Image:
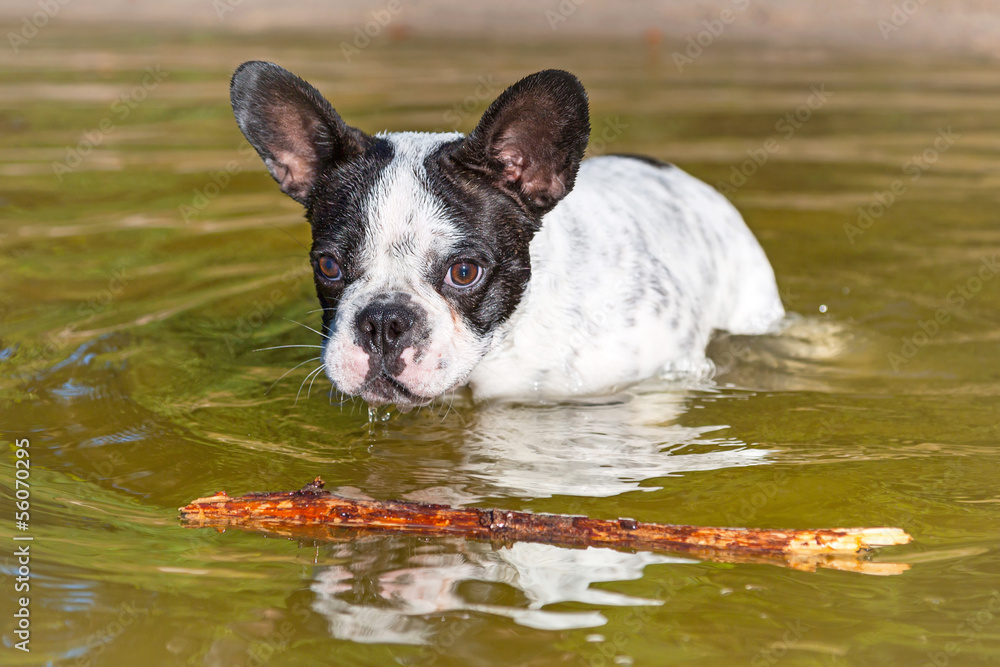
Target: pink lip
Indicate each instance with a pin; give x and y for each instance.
(385, 389)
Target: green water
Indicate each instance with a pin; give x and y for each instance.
(136, 283)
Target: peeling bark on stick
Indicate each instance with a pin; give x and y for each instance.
(313, 513)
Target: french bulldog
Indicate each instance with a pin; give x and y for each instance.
(503, 261)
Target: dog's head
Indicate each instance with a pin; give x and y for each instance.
(420, 241)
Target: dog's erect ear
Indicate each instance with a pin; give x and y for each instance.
(532, 138)
(294, 129)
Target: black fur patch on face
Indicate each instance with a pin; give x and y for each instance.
(495, 231)
(338, 217)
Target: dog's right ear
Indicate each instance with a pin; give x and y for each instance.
(294, 129)
(531, 139)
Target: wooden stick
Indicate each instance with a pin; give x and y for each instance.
(312, 512)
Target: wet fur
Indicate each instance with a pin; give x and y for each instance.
(597, 275)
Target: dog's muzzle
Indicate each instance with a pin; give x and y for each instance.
(384, 330)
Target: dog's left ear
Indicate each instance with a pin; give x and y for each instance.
(531, 139)
(294, 129)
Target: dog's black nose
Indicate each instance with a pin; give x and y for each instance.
(384, 329)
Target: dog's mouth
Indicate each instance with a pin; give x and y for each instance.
(383, 389)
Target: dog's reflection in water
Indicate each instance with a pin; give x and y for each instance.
(395, 590)
(594, 449)
(405, 590)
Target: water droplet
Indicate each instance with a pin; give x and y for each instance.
(822, 309)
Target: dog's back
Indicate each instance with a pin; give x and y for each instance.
(631, 273)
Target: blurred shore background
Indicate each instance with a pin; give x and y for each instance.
(956, 26)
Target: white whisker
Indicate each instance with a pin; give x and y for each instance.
(306, 379)
(309, 392)
(287, 372)
(305, 326)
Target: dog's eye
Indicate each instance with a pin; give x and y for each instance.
(464, 275)
(330, 268)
